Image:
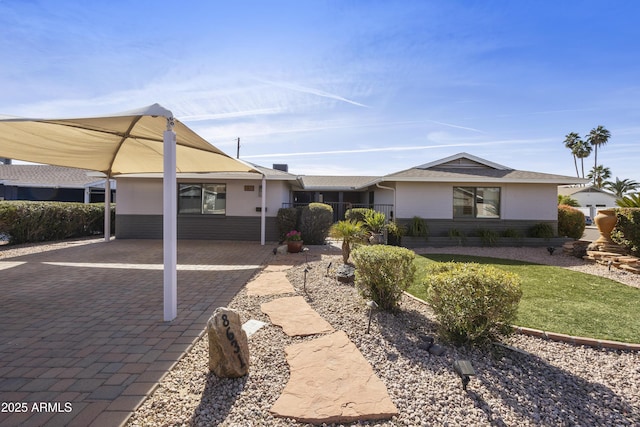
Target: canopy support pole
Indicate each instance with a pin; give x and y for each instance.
(107, 209)
(263, 211)
(169, 218)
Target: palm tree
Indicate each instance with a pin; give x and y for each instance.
(599, 175)
(631, 201)
(621, 187)
(570, 141)
(349, 232)
(597, 137)
(582, 150)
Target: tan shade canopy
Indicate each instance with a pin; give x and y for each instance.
(130, 142)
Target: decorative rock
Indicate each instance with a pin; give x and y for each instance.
(346, 273)
(331, 382)
(228, 346)
(295, 316)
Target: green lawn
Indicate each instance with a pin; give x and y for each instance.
(558, 300)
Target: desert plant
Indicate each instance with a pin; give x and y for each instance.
(417, 227)
(395, 233)
(511, 233)
(315, 222)
(571, 222)
(487, 237)
(473, 303)
(374, 221)
(383, 273)
(356, 214)
(630, 201)
(541, 230)
(458, 235)
(349, 232)
(287, 220)
(568, 200)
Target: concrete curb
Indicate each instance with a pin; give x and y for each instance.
(569, 339)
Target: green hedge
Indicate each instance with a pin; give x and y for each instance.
(473, 303)
(315, 222)
(356, 214)
(627, 230)
(287, 219)
(383, 273)
(26, 222)
(571, 222)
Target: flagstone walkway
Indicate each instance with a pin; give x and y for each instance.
(330, 380)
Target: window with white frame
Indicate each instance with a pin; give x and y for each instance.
(476, 202)
(203, 199)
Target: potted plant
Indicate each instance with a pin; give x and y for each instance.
(294, 241)
(375, 223)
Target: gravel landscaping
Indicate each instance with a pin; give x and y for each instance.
(527, 381)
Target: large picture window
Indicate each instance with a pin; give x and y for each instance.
(476, 202)
(204, 199)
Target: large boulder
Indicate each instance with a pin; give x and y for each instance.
(228, 346)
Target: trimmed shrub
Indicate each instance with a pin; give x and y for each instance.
(473, 303)
(27, 222)
(287, 219)
(315, 222)
(571, 222)
(627, 230)
(356, 214)
(541, 230)
(383, 273)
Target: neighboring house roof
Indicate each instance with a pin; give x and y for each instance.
(48, 176)
(334, 183)
(464, 167)
(570, 190)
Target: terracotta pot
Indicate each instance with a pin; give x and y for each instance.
(294, 246)
(605, 221)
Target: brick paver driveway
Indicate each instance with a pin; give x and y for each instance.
(82, 336)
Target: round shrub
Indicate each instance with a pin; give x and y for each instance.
(383, 273)
(315, 222)
(473, 303)
(571, 222)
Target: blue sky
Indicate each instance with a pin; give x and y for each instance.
(342, 87)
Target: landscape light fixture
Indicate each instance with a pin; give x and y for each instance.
(371, 304)
(304, 286)
(464, 369)
(328, 267)
(551, 250)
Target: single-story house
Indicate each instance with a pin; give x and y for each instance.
(589, 197)
(51, 183)
(461, 191)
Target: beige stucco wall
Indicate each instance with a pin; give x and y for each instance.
(518, 201)
(137, 196)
